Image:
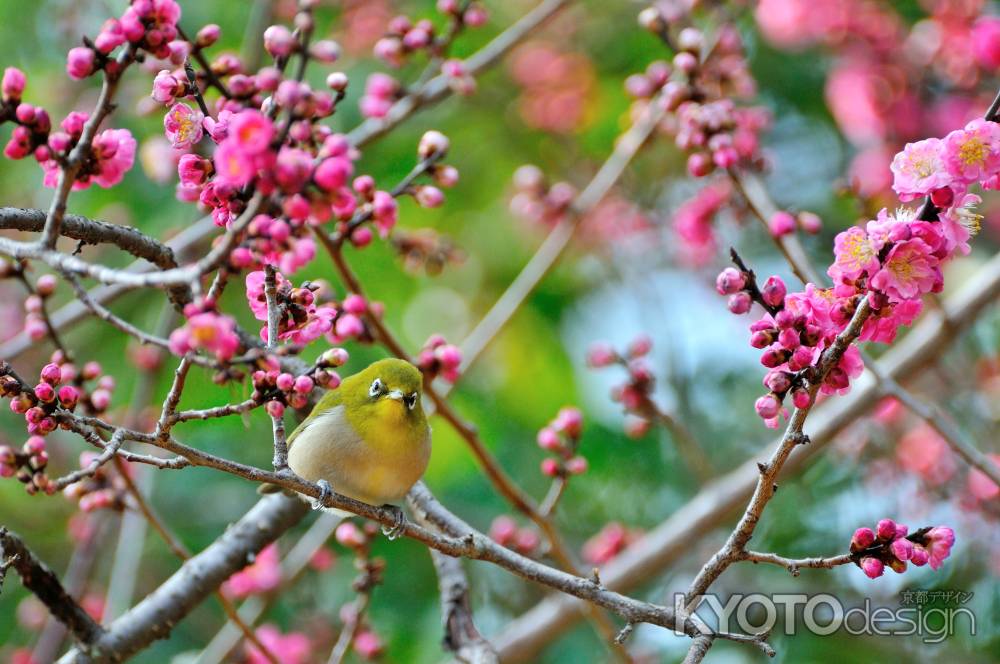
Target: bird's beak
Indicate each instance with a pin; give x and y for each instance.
(395, 394)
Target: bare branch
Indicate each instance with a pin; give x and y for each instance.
(154, 617)
(42, 581)
(794, 565)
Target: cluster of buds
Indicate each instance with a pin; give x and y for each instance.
(31, 134)
(61, 386)
(890, 546)
(792, 337)
(403, 37)
(28, 464)
(536, 200)
(505, 532)
(439, 358)
(103, 489)
(426, 249)
(698, 86)
(279, 389)
(280, 42)
(561, 437)
(612, 539)
(34, 305)
(635, 394)
(784, 223)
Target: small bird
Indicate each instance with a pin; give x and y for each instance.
(368, 439)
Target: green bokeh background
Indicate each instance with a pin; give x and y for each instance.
(533, 368)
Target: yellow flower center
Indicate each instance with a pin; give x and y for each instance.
(922, 165)
(860, 250)
(901, 269)
(973, 152)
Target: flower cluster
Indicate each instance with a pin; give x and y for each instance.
(505, 532)
(561, 437)
(301, 320)
(261, 576)
(403, 37)
(111, 154)
(440, 358)
(290, 648)
(635, 394)
(536, 200)
(28, 464)
(102, 489)
(206, 330)
(892, 262)
(890, 546)
(278, 388)
(612, 539)
(62, 387)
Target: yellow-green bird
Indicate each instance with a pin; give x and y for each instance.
(368, 438)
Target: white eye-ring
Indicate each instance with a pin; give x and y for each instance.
(411, 401)
(376, 388)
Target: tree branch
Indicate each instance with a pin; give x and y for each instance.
(42, 581)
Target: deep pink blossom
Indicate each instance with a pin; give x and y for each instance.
(908, 271)
(855, 254)
(206, 330)
(973, 153)
(262, 576)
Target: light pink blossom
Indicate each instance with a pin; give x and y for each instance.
(182, 125)
(909, 270)
(919, 169)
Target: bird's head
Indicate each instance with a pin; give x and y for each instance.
(388, 388)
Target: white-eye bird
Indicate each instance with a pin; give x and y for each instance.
(368, 439)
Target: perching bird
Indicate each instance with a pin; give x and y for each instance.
(368, 439)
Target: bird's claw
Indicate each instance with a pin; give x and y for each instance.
(399, 522)
(325, 491)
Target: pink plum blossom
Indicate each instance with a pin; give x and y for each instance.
(919, 169)
(183, 126)
(909, 270)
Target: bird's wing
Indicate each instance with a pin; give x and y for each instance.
(329, 400)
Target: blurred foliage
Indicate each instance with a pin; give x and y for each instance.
(534, 367)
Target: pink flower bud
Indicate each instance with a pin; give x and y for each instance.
(810, 223)
(80, 62)
(475, 16)
(68, 396)
(700, 164)
(800, 398)
(45, 285)
(781, 223)
(730, 281)
(91, 370)
(51, 373)
(13, 83)
(448, 355)
(570, 421)
(303, 385)
(601, 354)
(872, 567)
(739, 303)
(349, 325)
(275, 408)
(100, 400)
(285, 382)
(326, 51)
(362, 237)
(862, 539)
(337, 81)
(549, 440)
(278, 41)
(433, 144)
(773, 292)
(429, 197)
(919, 556)
(354, 304)
(576, 466)
(886, 529)
(777, 381)
(208, 35)
(767, 406)
(943, 197)
(349, 535)
(34, 445)
(45, 392)
(503, 530)
(902, 548)
(335, 357)
(332, 173)
(685, 62)
(762, 338)
(789, 338)
(550, 467)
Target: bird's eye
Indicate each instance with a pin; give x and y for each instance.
(376, 388)
(410, 401)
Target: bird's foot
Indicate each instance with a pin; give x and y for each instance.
(399, 522)
(325, 491)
